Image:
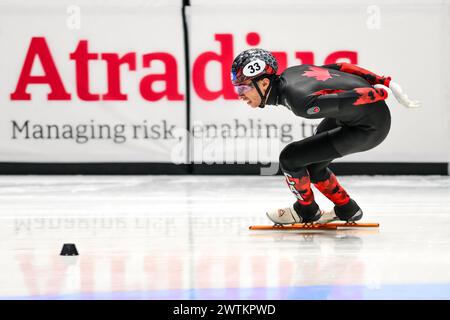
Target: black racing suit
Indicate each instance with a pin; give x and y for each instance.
(356, 119)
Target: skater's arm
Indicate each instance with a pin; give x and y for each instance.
(325, 103)
(376, 80)
(371, 77)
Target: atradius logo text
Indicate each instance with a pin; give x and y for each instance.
(153, 86)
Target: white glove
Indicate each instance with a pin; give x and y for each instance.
(401, 97)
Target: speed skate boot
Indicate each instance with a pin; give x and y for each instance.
(290, 215)
(349, 212)
(345, 208)
(284, 216)
(305, 209)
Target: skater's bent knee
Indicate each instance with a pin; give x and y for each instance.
(291, 160)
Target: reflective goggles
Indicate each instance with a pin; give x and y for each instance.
(243, 88)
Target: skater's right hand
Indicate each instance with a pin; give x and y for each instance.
(402, 97)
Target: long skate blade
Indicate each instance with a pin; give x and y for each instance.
(354, 224)
(318, 226)
(297, 226)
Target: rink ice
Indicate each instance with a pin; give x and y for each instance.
(187, 237)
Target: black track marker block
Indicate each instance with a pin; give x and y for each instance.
(69, 249)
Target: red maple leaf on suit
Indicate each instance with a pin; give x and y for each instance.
(320, 74)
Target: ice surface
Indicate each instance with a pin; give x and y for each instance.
(187, 237)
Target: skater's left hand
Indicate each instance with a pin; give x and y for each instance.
(401, 97)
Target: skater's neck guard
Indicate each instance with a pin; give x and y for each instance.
(274, 94)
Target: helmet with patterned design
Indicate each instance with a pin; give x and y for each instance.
(251, 64)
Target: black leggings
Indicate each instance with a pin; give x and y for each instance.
(334, 139)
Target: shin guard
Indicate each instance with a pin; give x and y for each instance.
(331, 189)
(301, 188)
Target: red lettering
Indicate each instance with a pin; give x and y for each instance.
(82, 57)
(170, 77)
(282, 60)
(39, 49)
(350, 56)
(253, 38)
(114, 62)
(225, 59)
(305, 57)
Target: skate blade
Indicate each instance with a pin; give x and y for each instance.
(355, 224)
(295, 226)
(317, 226)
